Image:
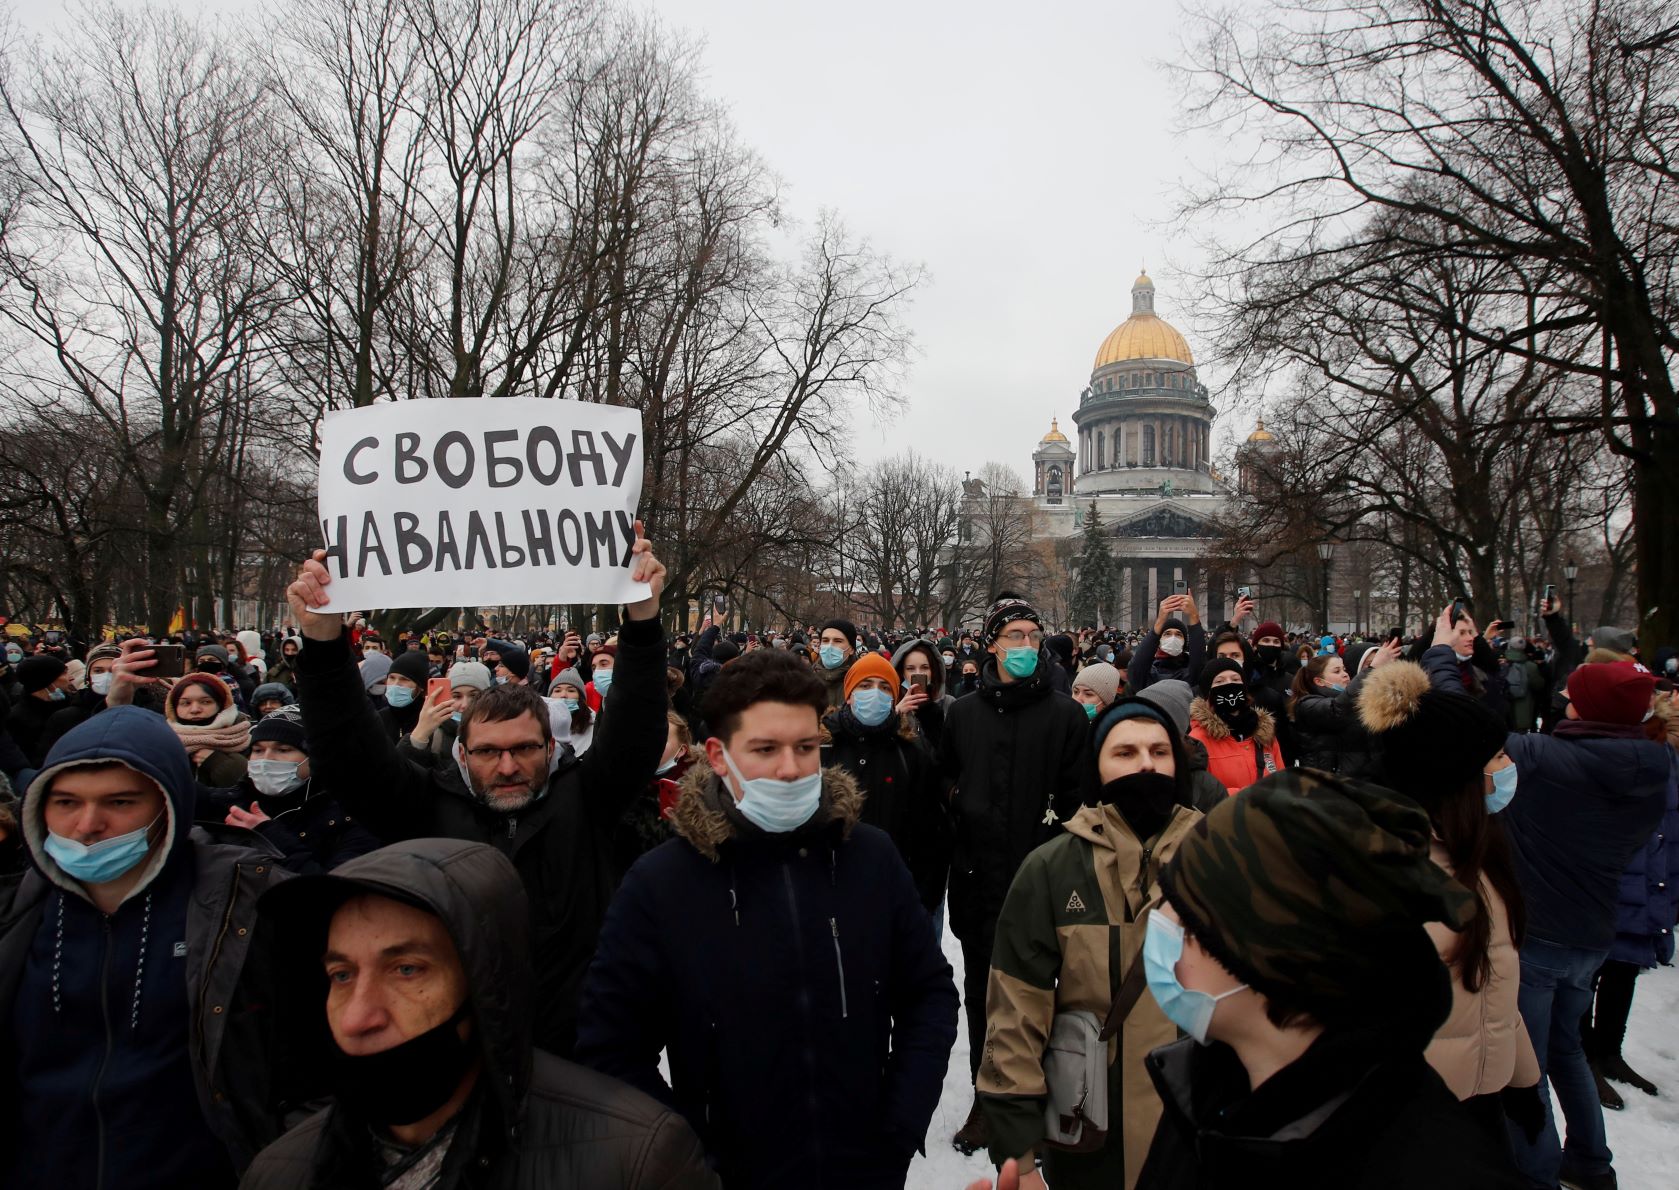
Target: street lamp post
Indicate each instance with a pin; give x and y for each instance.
(1571, 571)
(1358, 611)
(1326, 555)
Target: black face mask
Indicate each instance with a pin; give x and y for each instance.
(1229, 701)
(1268, 654)
(407, 1082)
(1145, 800)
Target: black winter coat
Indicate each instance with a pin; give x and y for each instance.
(1146, 668)
(796, 984)
(1398, 1127)
(1017, 753)
(534, 1120)
(560, 843)
(308, 828)
(1328, 734)
(903, 793)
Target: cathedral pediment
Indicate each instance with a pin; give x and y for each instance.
(1165, 520)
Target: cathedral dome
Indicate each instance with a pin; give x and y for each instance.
(1055, 434)
(1261, 434)
(1144, 335)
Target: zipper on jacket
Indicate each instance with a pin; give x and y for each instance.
(839, 961)
(110, 1044)
(512, 827)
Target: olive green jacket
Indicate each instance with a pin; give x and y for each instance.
(1073, 922)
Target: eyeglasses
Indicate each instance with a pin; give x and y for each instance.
(1017, 638)
(520, 752)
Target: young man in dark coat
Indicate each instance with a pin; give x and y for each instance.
(1016, 752)
(510, 785)
(777, 951)
(132, 1047)
(407, 991)
(1290, 946)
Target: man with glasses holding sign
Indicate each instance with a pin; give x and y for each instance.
(512, 785)
(1015, 753)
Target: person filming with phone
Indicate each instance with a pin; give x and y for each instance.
(1175, 647)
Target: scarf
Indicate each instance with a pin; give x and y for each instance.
(225, 733)
(1587, 729)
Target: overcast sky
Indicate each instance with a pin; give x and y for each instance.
(1027, 156)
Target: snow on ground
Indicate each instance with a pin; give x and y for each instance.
(1644, 1137)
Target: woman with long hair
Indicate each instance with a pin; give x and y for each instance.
(1323, 706)
(1445, 751)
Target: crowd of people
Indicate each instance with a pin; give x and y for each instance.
(1237, 906)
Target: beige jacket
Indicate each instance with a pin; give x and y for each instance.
(1483, 1047)
(1073, 922)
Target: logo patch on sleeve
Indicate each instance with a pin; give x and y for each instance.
(1074, 903)
(180, 950)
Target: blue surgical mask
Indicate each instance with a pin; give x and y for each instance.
(101, 862)
(603, 681)
(14, 655)
(500, 679)
(776, 806)
(570, 704)
(1021, 662)
(399, 696)
(666, 767)
(1503, 789)
(1090, 710)
(832, 656)
(871, 706)
(1189, 1010)
(56, 695)
(456, 716)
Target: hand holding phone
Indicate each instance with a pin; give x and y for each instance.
(438, 689)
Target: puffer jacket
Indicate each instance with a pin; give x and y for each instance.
(1483, 1046)
(133, 1047)
(1018, 754)
(560, 843)
(1064, 946)
(903, 793)
(535, 1120)
(1328, 734)
(793, 981)
(1236, 763)
(1648, 900)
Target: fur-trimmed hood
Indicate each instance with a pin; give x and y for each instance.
(1201, 713)
(699, 816)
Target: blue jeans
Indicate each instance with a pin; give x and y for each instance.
(1556, 991)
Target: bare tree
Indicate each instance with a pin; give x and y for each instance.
(1530, 132)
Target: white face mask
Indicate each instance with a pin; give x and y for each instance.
(275, 777)
(1171, 645)
(100, 683)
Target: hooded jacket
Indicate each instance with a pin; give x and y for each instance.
(1647, 901)
(903, 793)
(930, 718)
(534, 1120)
(795, 984)
(132, 1047)
(1017, 754)
(560, 843)
(1149, 666)
(1236, 763)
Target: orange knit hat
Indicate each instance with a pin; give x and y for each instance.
(871, 665)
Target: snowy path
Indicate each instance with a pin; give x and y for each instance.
(1644, 1137)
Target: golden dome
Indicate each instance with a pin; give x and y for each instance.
(1055, 434)
(1144, 335)
(1261, 434)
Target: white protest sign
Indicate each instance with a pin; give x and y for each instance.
(463, 502)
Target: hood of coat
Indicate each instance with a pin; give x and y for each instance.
(1201, 713)
(139, 740)
(477, 894)
(932, 652)
(1096, 825)
(707, 821)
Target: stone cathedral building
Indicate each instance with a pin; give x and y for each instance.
(1141, 451)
